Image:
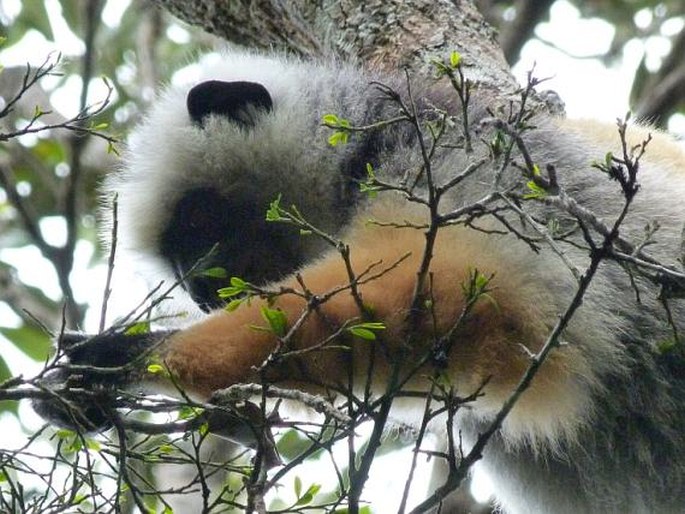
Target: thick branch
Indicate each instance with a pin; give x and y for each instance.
(385, 34)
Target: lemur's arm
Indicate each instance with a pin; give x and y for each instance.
(225, 348)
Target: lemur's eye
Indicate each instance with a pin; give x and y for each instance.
(238, 101)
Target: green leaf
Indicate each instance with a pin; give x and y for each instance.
(277, 320)
(455, 59)
(440, 69)
(371, 191)
(536, 191)
(666, 346)
(74, 444)
(233, 304)
(5, 373)
(64, 433)
(216, 272)
(273, 213)
(291, 444)
(297, 486)
(477, 287)
(188, 412)
(31, 340)
(111, 149)
(372, 325)
(308, 496)
(338, 138)
(238, 287)
(370, 186)
(227, 292)
(367, 330)
(156, 369)
(93, 444)
(363, 333)
(238, 282)
(481, 281)
(142, 327)
(331, 119)
(166, 449)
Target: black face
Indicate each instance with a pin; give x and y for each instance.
(207, 231)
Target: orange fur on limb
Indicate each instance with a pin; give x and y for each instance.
(226, 348)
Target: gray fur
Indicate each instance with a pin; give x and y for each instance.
(619, 446)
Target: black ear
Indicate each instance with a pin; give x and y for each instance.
(230, 99)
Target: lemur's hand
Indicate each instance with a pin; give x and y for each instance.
(84, 380)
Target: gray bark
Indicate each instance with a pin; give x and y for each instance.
(379, 33)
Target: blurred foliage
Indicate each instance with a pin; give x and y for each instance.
(132, 51)
(658, 27)
(644, 20)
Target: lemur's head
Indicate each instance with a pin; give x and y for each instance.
(202, 169)
(208, 228)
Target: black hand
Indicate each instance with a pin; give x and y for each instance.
(86, 382)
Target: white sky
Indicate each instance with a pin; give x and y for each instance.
(588, 88)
